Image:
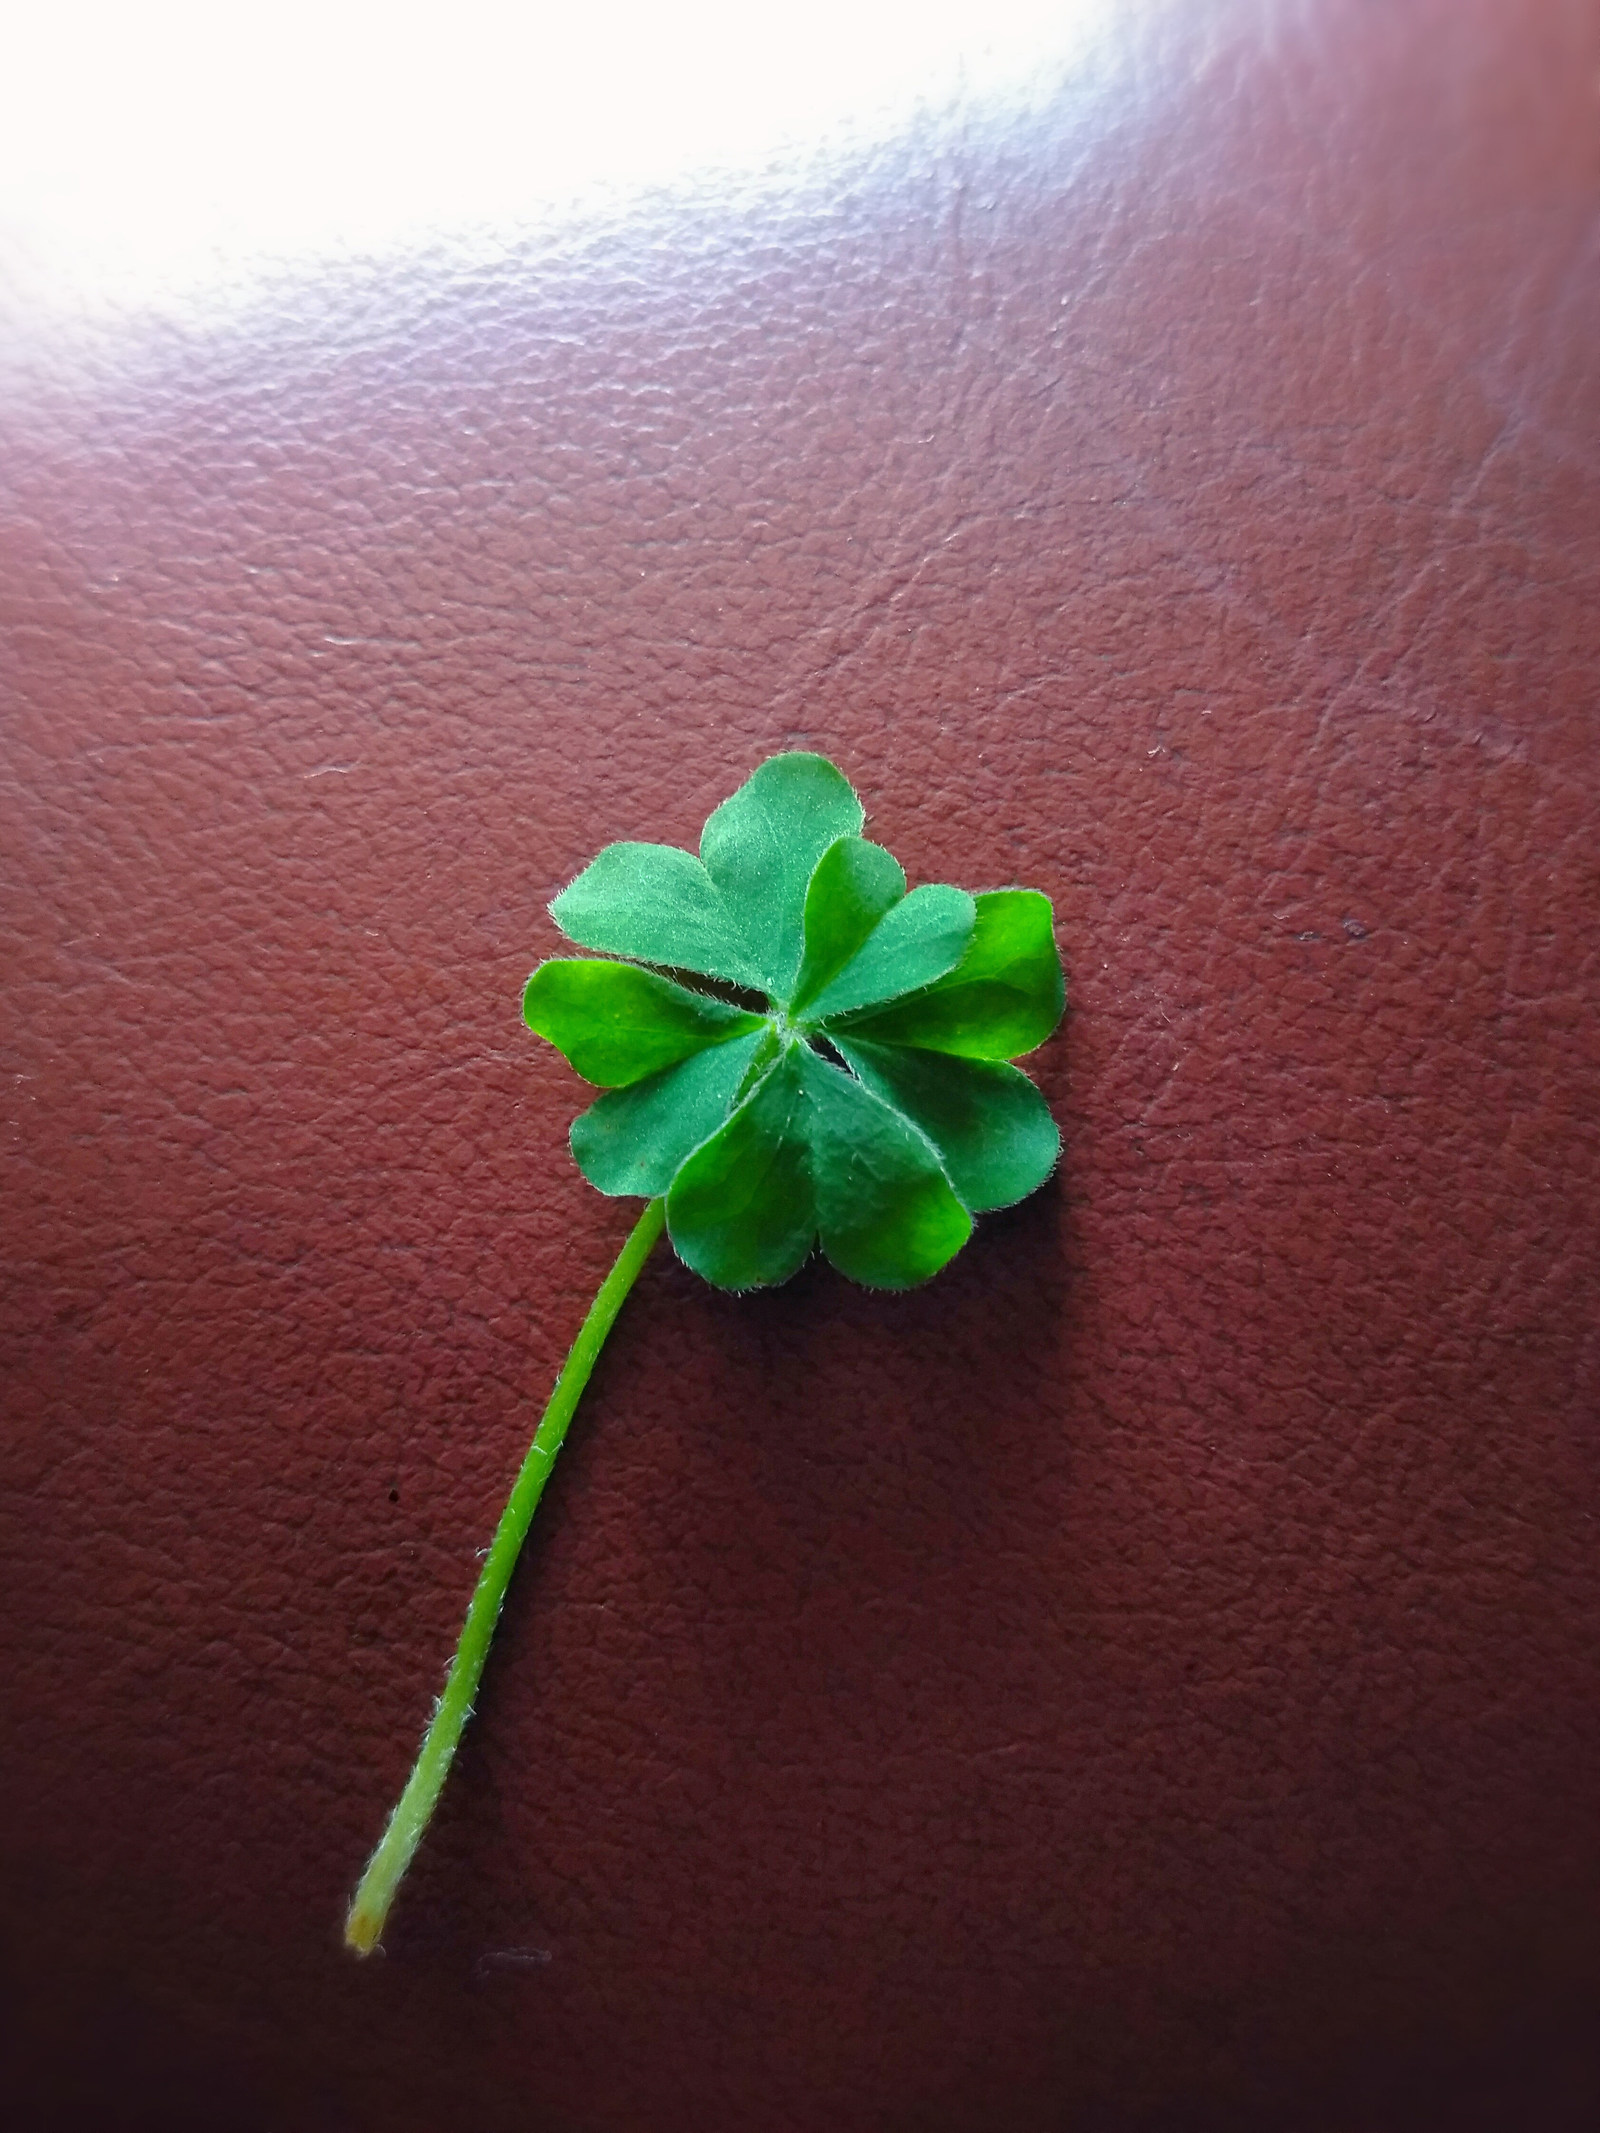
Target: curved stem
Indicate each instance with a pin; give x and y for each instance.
(388, 1863)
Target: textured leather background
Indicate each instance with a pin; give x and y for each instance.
(1147, 1678)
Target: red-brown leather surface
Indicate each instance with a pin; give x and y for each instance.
(1147, 1678)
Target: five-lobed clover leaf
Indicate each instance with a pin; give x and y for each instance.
(866, 1101)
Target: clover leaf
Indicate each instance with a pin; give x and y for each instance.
(794, 1048)
(862, 1097)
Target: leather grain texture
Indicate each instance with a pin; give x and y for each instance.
(1146, 1679)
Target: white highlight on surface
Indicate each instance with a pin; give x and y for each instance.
(162, 147)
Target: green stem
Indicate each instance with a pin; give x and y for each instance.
(387, 1866)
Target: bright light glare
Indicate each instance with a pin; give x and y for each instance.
(152, 151)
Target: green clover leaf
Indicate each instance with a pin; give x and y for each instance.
(858, 1093)
(865, 1101)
